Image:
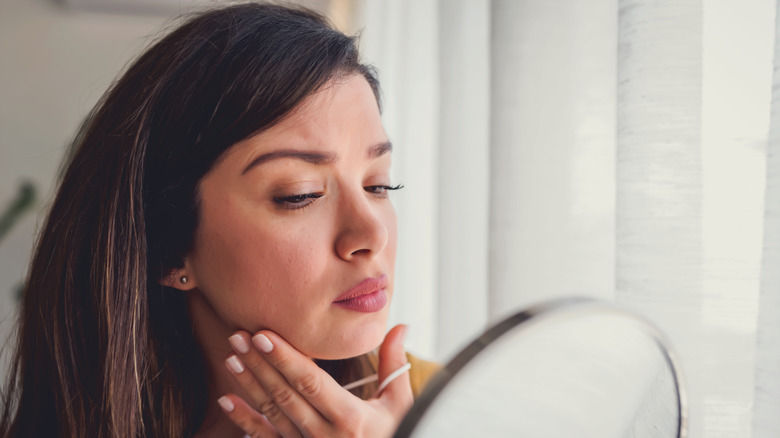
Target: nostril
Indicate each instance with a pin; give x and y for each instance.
(361, 251)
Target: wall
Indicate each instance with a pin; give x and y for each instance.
(55, 64)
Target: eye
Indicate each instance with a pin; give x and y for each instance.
(293, 202)
(381, 190)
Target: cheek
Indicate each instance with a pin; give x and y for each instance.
(256, 276)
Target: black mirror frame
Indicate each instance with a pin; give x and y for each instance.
(449, 371)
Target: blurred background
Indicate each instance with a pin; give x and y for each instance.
(620, 149)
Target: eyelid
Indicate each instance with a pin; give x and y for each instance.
(297, 201)
(301, 200)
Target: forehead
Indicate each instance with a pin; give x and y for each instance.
(341, 113)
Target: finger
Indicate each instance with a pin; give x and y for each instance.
(398, 393)
(247, 380)
(289, 401)
(249, 420)
(245, 366)
(332, 401)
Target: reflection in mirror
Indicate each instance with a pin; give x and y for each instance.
(566, 368)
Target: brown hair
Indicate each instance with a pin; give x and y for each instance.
(103, 349)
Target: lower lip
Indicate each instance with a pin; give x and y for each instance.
(368, 303)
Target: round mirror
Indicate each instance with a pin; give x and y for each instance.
(566, 368)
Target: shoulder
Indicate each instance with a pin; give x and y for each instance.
(420, 373)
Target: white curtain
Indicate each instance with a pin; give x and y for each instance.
(618, 149)
(766, 421)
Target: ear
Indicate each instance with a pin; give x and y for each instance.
(179, 279)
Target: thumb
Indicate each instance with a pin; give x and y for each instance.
(392, 357)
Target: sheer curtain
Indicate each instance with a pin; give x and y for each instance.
(620, 149)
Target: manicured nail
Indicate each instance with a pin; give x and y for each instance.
(226, 404)
(262, 343)
(235, 364)
(239, 344)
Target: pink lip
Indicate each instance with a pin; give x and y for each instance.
(368, 296)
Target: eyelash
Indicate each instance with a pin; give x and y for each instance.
(296, 202)
(383, 189)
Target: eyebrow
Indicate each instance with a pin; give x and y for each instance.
(307, 156)
(313, 157)
(380, 149)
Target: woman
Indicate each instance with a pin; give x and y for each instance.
(224, 220)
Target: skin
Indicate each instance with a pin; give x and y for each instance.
(290, 220)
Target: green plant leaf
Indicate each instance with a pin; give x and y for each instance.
(23, 202)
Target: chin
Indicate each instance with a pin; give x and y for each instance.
(346, 346)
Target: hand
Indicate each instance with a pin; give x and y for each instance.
(290, 396)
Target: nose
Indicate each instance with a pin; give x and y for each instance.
(363, 230)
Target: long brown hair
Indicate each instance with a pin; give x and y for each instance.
(103, 349)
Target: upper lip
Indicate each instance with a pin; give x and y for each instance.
(365, 287)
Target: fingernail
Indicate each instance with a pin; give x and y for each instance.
(239, 344)
(235, 364)
(226, 404)
(403, 332)
(262, 343)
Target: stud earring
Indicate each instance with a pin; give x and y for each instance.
(184, 279)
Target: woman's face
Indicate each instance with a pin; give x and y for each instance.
(297, 234)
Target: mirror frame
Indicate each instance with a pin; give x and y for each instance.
(532, 314)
